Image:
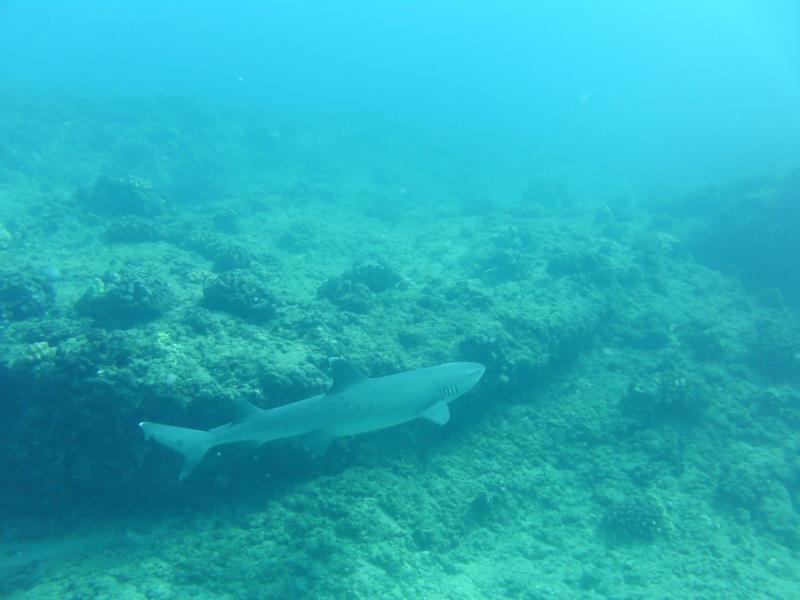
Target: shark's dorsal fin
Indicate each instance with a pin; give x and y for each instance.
(244, 409)
(344, 375)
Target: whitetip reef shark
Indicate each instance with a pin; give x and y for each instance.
(354, 404)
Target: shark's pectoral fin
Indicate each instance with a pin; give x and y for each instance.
(316, 442)
(438, 413)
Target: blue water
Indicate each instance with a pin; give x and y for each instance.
(202, 204)
(672, 92)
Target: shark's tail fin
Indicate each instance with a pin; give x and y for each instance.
(192, 443)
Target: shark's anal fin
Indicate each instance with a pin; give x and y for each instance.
(344, 375)
(437, 413)
(316, 442)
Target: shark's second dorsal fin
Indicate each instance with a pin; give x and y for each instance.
(344, 375)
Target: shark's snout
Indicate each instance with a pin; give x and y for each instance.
(476, 370)
(472, 373)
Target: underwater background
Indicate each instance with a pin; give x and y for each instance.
(202, 203)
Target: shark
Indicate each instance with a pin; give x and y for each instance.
(353, 404)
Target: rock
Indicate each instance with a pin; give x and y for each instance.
(132, 230)
(125, 299)
(505, 265)
(354, 290)
(242, 294)
(377, 276)
(672, 397)
(635, 519)
(24, 296)
(229, 257)
(300, 237)
(226, 221)
(775, 350)
(117, 197)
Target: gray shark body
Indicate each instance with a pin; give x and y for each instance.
(354, 404)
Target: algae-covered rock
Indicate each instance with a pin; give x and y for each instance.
(33, 357)
(465, 294)
(751, 228)
(743, 487)
(646, 331)
(229, 257)
(505, 265)
(594, 266)
(654, 248)
(225, 255)
(670, 397)
(126, 298)
(760, 490)
(23, 296)
(347, 295)
(241, 293)
(133, 229)
(300, 237)
(121, 196)
(703, 340)
(226, 221)
(639, 518)
(354, 290)
(376, 275)
(775, 350)
(82, 356)
(511, 360)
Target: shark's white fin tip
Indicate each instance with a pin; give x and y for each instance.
(191, 443)
(146, 430)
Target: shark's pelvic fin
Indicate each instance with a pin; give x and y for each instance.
(438, 413)
(192, 443)
(344, 375)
